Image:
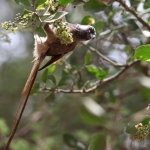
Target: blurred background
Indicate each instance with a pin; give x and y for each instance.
(93, 121)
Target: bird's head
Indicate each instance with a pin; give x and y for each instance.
(85, 32)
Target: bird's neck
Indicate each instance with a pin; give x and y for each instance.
(78, 35)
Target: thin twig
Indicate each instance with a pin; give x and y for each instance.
(133, 12)
(104, 57)
(126, 41)
(110, 30)
(144, 12)
(132, 91)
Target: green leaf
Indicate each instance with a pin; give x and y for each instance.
(20, 143)
(51, 68)
(77, 2)
(127, 48)
(44, 75)
(98, 26)
(70, 140)
(58, 15)
(98, 142)
(90, 118)
(98, 72)
(3, 127)
(43, 11)
(64, 73)
(131, 24)
(39, 31)
(148, 19)
(87, 58)
(88, 20)
(92, 69)
(130, 129)
(39, 2)
(73, 69)
(23, 2)
(145, 92)
(146, 121)
(64, 2)
(143, 52)
(79, 82)
(64, 79)
(94, 6)
(26, 11)
(35, 88)
(50, 98)
(52, 78)
(112, 96)
(101, 74)
(146, 4)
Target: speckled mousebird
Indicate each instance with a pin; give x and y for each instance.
(49, 46)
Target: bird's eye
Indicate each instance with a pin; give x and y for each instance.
(89, 30)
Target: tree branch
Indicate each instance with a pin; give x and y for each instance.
(98, 84)
(128, 93)
(133, 12)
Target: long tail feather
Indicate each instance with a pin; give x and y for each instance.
(24, 98)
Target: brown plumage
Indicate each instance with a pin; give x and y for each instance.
(58, 50)
(49, 46)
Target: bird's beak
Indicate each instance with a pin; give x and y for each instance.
(92, 35)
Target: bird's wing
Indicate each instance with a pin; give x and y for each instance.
(52, 60)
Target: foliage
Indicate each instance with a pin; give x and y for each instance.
(44, 12)
(143, 52)
(112, 71)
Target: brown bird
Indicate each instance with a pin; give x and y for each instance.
(58, 50)
(49, 46)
